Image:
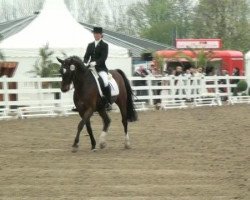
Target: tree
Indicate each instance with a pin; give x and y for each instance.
(93, 13)
(110, 14)
(1, 53)
(138, 18)
(159, 62)
(163, 20)
(201, 58)
(224, 19)
(1, 56)
(44, 67)
(5, 13)
(15, 9)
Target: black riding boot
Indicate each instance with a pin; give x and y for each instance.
(107, 94)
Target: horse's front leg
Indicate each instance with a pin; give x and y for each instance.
(90, 132)
(85, 120)
(106, 122)
(76, 141)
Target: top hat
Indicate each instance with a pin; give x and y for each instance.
(97, 30)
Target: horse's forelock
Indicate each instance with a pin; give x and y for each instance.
(75, 60)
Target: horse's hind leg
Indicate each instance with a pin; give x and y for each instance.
(125, 124)
(106, 122)
(76, 141)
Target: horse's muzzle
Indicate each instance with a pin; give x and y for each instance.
(65, 88)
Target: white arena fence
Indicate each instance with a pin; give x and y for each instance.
(30, 97)
(171, 87)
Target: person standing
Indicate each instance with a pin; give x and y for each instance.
(96, 55)
(236, 72)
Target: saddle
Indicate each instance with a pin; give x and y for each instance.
(112, 83)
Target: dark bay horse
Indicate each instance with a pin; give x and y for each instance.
(88, 100)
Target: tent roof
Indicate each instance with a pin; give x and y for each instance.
(54, 26)
(135, 45)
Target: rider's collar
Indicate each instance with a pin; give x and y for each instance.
(97, 42)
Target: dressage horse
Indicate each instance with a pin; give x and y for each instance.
(87, 99)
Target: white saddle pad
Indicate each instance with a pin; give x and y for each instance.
(112, 83)
(113, 86)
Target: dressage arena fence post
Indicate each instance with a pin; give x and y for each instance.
(36, 96)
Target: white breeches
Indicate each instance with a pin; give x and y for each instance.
(104, 76)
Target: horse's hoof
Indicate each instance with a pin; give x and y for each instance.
(74, 149)
(94, 150)
(127, 146)
(103, 145)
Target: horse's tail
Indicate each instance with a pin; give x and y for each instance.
(131, 112)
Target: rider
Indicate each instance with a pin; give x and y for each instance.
(96, 54)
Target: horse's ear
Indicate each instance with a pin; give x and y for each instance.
(59, 60)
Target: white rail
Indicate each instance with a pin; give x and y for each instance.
(42, 92)
(151, 89)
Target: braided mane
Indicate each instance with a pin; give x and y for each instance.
(76, 60)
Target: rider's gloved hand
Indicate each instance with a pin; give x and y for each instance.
(85, 64)
(92, 64)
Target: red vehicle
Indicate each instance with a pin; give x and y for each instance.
(224, 59)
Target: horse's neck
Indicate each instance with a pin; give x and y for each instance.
(80, 79)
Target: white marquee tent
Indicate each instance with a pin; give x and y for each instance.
(56, 27)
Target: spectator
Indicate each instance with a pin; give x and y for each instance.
(210, 70)
(187, 81)
(196, 82)
(156, 73)
(179, 73)
(223, 81)
(142, 72)
(188, 73)
(200, 70)
(236, 72)
(154, 70)
(193, 71)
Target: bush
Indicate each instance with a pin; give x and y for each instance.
(242, 86)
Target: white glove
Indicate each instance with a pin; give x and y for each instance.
(92, 64)
(85, 64)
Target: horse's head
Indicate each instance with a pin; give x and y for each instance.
(68, 70)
